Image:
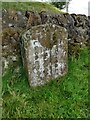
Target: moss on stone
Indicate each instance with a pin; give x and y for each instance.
(55, 38)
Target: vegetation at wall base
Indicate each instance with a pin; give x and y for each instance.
(66, 97)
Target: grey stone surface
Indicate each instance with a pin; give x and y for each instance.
(45, 53)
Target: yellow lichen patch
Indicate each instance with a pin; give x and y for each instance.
(9, 32)
(12, 14)
(46, 43)
(55, 38)
(34, 36)
(50, 37)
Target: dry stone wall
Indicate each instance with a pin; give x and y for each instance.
(45, 55)
(14, 23)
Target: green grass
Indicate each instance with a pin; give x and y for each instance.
(32, 6)
(66, 97)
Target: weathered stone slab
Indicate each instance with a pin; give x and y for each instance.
(45, 53)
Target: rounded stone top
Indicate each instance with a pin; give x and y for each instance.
(47, 34)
